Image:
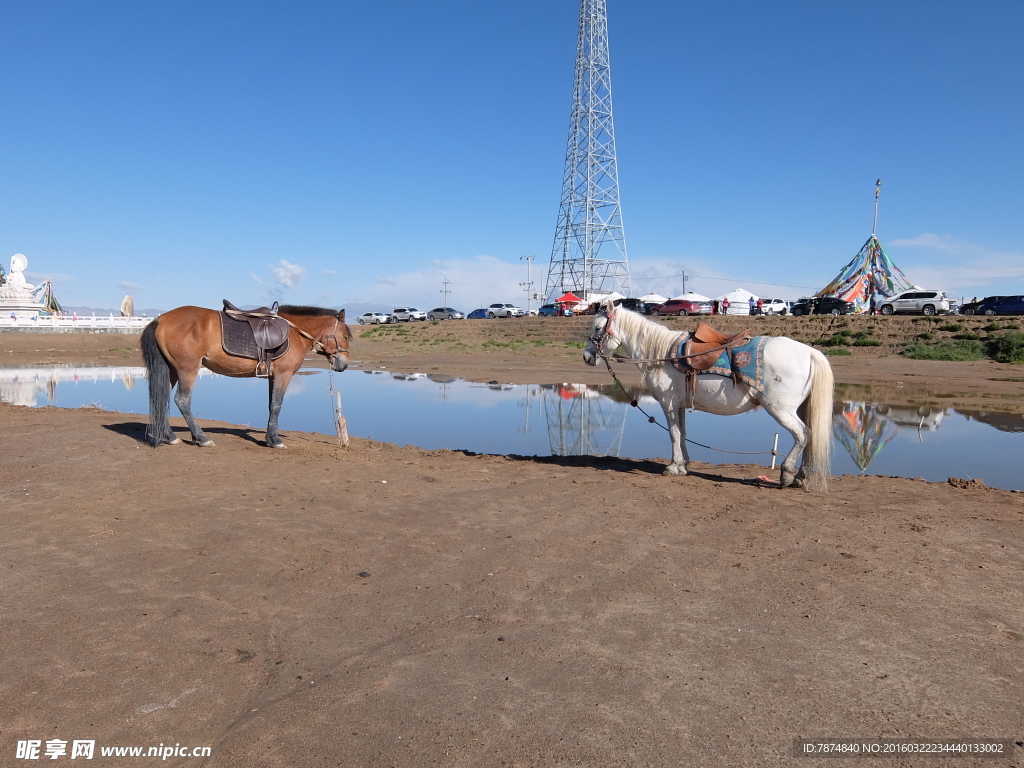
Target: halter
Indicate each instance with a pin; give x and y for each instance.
(598, 339)
(318, 346)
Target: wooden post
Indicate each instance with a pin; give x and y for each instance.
(339, 421)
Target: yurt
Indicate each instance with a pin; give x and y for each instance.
(739, 301)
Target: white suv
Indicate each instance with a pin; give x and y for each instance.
(504, 310)
(926, 302)
(407, 314)
(776, 306)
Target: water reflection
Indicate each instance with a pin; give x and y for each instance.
(864, 429)
(439, 411)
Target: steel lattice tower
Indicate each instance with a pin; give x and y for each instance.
(589, 252)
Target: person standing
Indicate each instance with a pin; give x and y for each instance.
(725, 306)
(751, 304)
(760, 306)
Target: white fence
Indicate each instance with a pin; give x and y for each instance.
(73, 323)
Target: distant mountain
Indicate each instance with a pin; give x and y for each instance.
(352, 311)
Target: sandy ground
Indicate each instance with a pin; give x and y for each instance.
(386, 606)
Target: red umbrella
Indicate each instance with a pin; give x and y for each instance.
(569, 298)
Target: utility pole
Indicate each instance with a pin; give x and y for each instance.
(445, 290)
(528, 285)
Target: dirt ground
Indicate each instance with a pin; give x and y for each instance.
(389, 606)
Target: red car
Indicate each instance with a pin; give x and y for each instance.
(682, 307)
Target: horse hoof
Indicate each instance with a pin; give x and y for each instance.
(277, 445)
(175, 441)
(673, 470)
(207, 443)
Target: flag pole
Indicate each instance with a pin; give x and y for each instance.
(878, 191)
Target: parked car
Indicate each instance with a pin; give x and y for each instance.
(1004, 305)
(915, 301)
(682, 307)
(504, 310)
(775, 306)
(406, 314)
(553, 310)
(634, 305)
(821, 305)
(444, 313)
(971, 307)
(374, 318)
(477, 314)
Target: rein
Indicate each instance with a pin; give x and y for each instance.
(599, 339)
(316, 345)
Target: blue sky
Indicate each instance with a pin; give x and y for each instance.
(353, 154)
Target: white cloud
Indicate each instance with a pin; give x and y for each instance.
(943, 243)
(288, 275)
(957, 266)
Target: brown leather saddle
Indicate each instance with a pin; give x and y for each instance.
(702, 349)
(706, 345)
(258, 334)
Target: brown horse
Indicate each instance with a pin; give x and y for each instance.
(178, 343)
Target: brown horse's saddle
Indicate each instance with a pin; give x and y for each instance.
(706, 345)
(258, 334)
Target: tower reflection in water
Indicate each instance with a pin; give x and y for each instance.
(583, 420)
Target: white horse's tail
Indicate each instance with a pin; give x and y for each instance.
(818, 454)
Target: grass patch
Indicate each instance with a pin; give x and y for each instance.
(576, 344)
(953, 327)
(837, 352)
(1008, 349)
(958, 351)
(966, 336)
(925, 336)
(864, 342)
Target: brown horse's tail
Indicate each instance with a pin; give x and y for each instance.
(159, 376)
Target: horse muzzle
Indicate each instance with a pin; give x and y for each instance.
(589, 357)
(339, 363)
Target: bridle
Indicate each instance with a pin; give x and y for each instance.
(598, 338)
(316, 345)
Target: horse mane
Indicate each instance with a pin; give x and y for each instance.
(651, 340)
(293, 309)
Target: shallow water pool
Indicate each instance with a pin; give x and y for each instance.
(434, 411)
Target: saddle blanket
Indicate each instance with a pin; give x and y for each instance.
(237, 339)
(745, 362)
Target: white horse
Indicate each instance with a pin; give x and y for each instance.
(798, 388)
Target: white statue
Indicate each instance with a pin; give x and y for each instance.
(16, 287)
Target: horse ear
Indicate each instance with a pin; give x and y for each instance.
(609, 307)
(341, 316)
